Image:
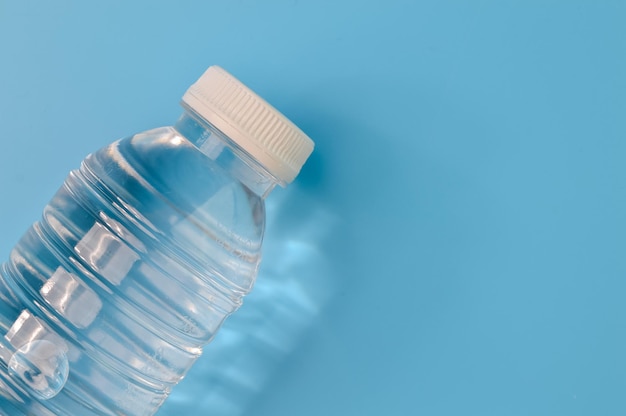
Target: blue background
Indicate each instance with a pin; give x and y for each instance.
(455, 246)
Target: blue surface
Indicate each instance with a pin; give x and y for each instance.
(456, 244)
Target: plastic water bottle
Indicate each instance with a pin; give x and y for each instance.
(108, 300)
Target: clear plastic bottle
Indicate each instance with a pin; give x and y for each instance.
(108, 300)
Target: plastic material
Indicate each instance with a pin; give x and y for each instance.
(256, 126)
(108, 300)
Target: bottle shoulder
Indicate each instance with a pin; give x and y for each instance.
(181, 194)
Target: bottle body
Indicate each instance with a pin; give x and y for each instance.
(135, 264)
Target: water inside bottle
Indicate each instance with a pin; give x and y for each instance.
(42, 366)
(138, 259)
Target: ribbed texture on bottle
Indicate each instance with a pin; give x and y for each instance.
(127, 343)
(256, 126)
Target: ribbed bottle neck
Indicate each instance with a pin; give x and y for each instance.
(225, 153)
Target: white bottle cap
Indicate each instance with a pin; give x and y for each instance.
(257, 127)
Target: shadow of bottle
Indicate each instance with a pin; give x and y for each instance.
(295, 283)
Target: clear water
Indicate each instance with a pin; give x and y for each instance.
(109, 299)
(42, 366)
